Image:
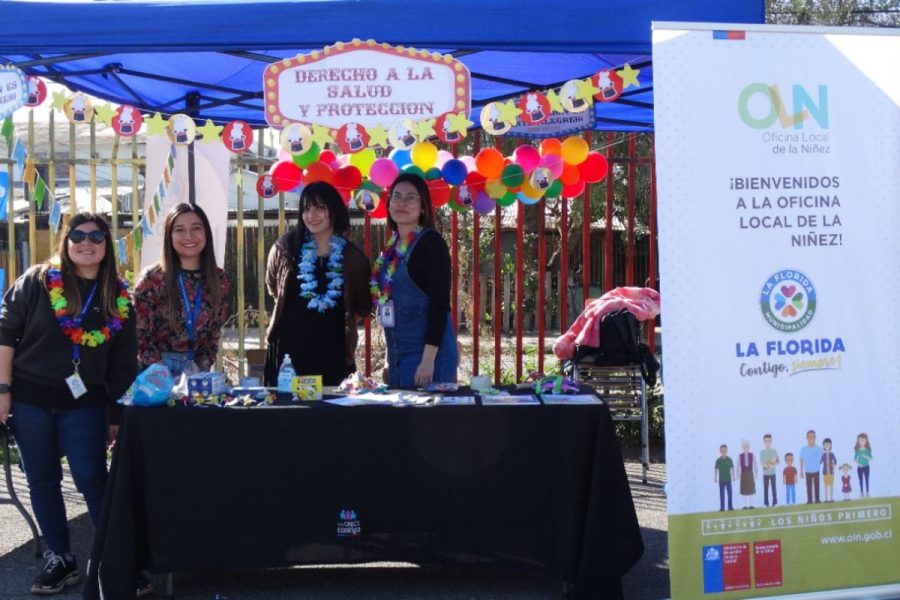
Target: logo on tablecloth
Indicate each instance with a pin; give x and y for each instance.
(348, 524)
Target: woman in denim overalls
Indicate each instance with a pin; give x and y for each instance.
(414, 303)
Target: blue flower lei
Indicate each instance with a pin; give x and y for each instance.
(306, 273)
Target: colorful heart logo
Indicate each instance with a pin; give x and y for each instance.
(789, 311)
(779, 301)
(788, 290)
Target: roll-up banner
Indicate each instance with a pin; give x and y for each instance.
(778, 162)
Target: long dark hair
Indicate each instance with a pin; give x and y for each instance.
(170, 262)
(426, 219)
(107, 277)
(324, 194)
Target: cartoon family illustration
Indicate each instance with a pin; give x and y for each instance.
(815, 461)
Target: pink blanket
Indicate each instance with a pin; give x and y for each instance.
(642, 302)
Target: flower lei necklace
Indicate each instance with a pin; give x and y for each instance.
(306, 273)
(381, 292)
(69, 324)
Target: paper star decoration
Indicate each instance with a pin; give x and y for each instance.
(629, 76)
(104, 113)
(424, 129)
(156, 125)
(586, 89)
(59, 100)
(378, 137)
(509, 112)
(210, 132)
(459, 123)
(321, 135)
(555, 103)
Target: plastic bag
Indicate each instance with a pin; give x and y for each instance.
(153, 386)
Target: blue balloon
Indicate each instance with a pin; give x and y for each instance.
(400, 157)
(526, 200)
(454, 171)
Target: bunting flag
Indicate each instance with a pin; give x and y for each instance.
(121, 251)
(30, 173)
(38, 192)
(7, 131)
(137, 239)
(55, 215)
(19, 154)
(145, 227)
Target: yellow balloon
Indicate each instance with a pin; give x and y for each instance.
(424, 155)
(530, 191)
(574, 150)
(495, 188)
(363, 160)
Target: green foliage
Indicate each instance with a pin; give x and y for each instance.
(868, 13)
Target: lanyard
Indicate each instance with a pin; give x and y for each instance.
(190, 316)
(76, 348)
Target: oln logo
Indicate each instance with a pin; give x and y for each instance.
(760, 105)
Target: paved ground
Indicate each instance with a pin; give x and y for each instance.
(649, 580)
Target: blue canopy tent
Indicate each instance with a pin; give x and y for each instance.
(206, 58)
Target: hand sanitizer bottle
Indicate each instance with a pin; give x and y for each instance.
(286, 375)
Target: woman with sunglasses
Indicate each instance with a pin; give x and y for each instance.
(67, 353)
(181, 300)
(319, 281)
(411, 290)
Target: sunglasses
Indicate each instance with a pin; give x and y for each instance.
(76, 236)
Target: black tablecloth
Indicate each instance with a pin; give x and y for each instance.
(215, 488)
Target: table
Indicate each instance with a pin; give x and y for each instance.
(539, 487)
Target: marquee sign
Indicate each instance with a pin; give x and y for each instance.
(366, 83)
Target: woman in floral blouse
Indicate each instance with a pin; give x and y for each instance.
(181, 300)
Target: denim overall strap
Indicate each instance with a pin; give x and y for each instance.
(406, 340)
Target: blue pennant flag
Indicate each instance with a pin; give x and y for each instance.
(18, 154)
(4, 194)
(122, 251)
(55, 215)
(145, 225)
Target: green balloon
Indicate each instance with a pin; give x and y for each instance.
(512, 175)
(413, 169)
(555, 189)
(508, 199)
(433, 173)
(308, 157)
(454, 206)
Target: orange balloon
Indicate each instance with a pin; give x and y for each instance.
(489, 163)
(551, 146)
(570, 174)
(319, 171)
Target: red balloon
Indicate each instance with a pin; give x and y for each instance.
(439, 191)
(570, 174)
(380, 211)
(347, 178)
(344, 194)
(327, 157)
(286, 175)
(594, 168)
(476, 182)
(319, 171)
(571, 191)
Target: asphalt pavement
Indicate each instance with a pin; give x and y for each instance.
(648, 580)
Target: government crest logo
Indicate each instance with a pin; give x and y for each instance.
(788, 300)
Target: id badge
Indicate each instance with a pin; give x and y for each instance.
(386, 314)
(76, 385)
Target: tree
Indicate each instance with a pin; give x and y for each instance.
(868, 13)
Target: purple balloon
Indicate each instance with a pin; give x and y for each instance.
(483, 203)
(454, 171)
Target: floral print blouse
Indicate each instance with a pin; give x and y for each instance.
(157, 335)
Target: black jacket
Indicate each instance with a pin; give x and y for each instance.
(43, 353)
